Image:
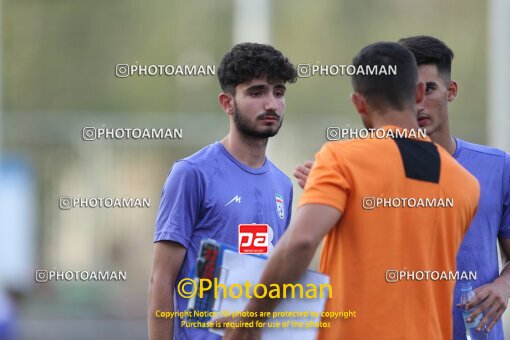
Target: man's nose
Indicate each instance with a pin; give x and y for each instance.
(271, 103)
(420, 107)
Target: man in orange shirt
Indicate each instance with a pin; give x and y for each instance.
(378, 202)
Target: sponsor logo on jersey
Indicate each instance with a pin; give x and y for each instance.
(280, 206)
(253, 238)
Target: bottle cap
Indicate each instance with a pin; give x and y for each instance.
(465, 286)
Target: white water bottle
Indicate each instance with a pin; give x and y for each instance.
(467, 296)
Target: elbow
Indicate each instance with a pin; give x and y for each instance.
(152, 283)
(151, 288)
(159, 284)
(302, 243)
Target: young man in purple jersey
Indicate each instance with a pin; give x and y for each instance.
(231, 182)
(478, 251)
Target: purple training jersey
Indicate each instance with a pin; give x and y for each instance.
(207, 195)
(478, 251)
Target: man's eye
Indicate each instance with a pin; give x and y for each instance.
(256, 94)
(279, 94)
(428, 89)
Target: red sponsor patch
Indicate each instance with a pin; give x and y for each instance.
(253, 238)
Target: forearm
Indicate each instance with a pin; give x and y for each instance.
(504, 277)
(160, 299)
(286, 265)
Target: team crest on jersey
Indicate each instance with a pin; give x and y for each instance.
(279, 206)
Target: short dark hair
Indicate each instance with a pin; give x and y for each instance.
(386, 90)
(248, 61)
(430, 51)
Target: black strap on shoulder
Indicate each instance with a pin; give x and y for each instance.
(421, 159)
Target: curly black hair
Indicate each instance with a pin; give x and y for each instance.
(248, 61)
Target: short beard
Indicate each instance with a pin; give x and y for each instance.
(246, 129)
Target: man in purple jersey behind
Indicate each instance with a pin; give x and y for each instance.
(478, 251)
(231, 182)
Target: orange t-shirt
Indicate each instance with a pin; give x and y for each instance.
(369, 242)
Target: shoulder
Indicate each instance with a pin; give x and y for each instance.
(203, 156)
(190, 168)
(355, 150)
(480, 158)
(481, 150)
(454, 172)
(333, 149)
(199, 162)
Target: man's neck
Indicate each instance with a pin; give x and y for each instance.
(445, 139)
(402, 119)
(247, 150)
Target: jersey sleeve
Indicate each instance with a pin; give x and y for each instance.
(180, 204)
(328, 182)
(504, 228)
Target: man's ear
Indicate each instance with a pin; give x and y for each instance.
(453, 87)
(226, 102)
(359, 103)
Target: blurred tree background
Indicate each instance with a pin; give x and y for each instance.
(59, 56)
